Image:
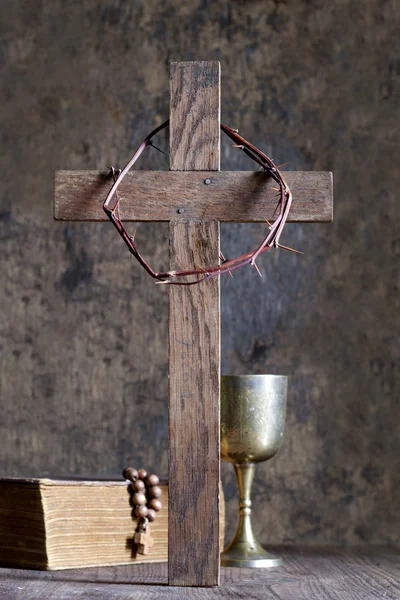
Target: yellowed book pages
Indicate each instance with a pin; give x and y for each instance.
(60, 524)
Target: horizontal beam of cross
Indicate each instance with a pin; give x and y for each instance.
(232, 196)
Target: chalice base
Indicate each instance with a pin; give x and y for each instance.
(244, 554)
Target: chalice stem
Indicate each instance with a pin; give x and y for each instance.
(245, 476)
(244, 550)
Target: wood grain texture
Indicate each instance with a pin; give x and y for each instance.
(194, 387)
(194, 342)
(368, 573)
(233, 196)
(195, 90)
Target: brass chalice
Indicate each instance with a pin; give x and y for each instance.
(253, 411)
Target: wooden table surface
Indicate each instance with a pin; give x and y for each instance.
(308, 574)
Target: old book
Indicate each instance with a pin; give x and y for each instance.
(60, 524)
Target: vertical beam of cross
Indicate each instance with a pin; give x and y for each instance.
(194, 340)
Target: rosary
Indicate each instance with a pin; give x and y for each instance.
(145, 493)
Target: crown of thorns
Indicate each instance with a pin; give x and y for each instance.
(197, 275)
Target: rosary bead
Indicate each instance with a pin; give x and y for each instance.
(138, 485)
(142, 473)
(155, 504)
(155, 492)
(151, 514)
(152, 480)
(141, 511)
(130, 474)
(138, 498)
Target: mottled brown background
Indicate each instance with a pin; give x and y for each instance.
(83, 332)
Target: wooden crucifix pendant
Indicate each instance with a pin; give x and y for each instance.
(143, 541)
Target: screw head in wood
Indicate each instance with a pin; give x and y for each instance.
(180, 211)
(207, 181)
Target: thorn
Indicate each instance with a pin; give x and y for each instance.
(261, 169)
(159, 149)
(235, 130)
(268, 223)
(116, 208)
(291, 249)
(238, 146)
(132, 237)
(222, 257)
(253, 264)
(115, 173)
(275, 189)
(283, 164)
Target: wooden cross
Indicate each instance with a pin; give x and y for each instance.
(143, 541)
(194, 196)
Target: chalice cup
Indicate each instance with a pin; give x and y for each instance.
(253, 411)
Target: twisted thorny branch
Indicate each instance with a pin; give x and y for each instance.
(226, 266)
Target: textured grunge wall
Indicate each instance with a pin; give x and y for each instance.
(83, 331)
